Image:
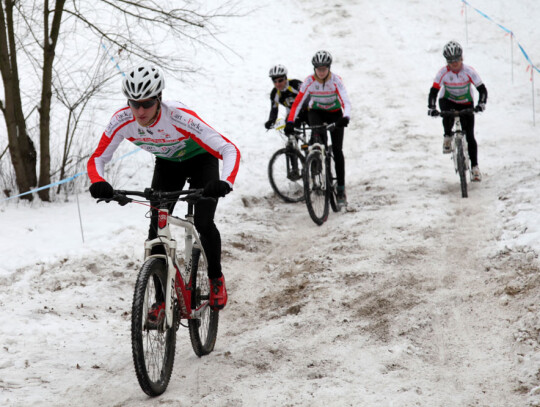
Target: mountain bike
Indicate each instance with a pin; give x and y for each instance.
(286, 165)
(460, 149)
(320, 184)
(185, 295)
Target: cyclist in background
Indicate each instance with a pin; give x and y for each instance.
(454, 81)
(328, 103)
(185, 146)
(284, 93)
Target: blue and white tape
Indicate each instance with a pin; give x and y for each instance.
(533, 66)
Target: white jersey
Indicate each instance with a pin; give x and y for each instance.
(456, 87)
(329, 95)
(178, 134)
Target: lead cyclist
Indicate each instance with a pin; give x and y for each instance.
(185, 146)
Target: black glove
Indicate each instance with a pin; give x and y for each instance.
(101, 190)
(432, 112)
(216, 188)
(343, 122)
(480, 107)
(269, 124)
(289, 128)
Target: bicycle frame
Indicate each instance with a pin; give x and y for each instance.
(181, 289)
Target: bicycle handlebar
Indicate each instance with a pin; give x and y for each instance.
(325, 126)
(189, 195)
(456, 113)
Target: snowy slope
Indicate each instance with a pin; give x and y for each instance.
(414, 297)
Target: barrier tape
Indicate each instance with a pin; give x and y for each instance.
(63, 181)
(112, 59)
(533, 66)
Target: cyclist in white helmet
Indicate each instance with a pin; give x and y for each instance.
(453, 83)
(283, 93)
(328, 103)
(185, 146)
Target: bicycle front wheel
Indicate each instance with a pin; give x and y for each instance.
(153, 344)
(203, 329)
(285, 174)
(462, 167)
(316, 189)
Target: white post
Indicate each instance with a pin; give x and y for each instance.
(466, 25)
(532, 83)
(512, 55)
(80, 219)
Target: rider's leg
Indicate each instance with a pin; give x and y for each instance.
(168, 176)
(203, 169)
(448, 122)
(468, 127)
(317, 118)
(337, 148)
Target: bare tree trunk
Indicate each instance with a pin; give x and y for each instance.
(49, 46)
(21, 147)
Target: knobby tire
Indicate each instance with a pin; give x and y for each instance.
(203, 331)
(287, 187)
(462, 168)
(316, 188)
(153, 349)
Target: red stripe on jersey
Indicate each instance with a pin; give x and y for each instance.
(294, 108)
(103, 144)
(91, 166)
(234, 171)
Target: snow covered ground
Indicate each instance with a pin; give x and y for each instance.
(413, 297)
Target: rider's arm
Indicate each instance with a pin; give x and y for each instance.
(299, 101)
(343, 97)
(274, 105)
(482, 94)
(432, 98)
(108, 144)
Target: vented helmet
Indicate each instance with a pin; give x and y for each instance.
(452, 51)
(321, 58)
(277, 71)
(143, 82)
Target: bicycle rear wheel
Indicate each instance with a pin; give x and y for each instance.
(153, 346)
(462, 168)
(203, 330)
(285, 174)
(316, 189)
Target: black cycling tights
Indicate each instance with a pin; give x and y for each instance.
(171, 176)
(318, 117)
(467, 124)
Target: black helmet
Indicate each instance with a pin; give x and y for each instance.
(452, 51)
(321, 58)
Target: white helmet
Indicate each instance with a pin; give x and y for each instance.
(452, 51)
(143, 82)
(321, 58)
(277, 71)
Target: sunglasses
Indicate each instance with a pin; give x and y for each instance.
(147, 104)
(278, 80)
